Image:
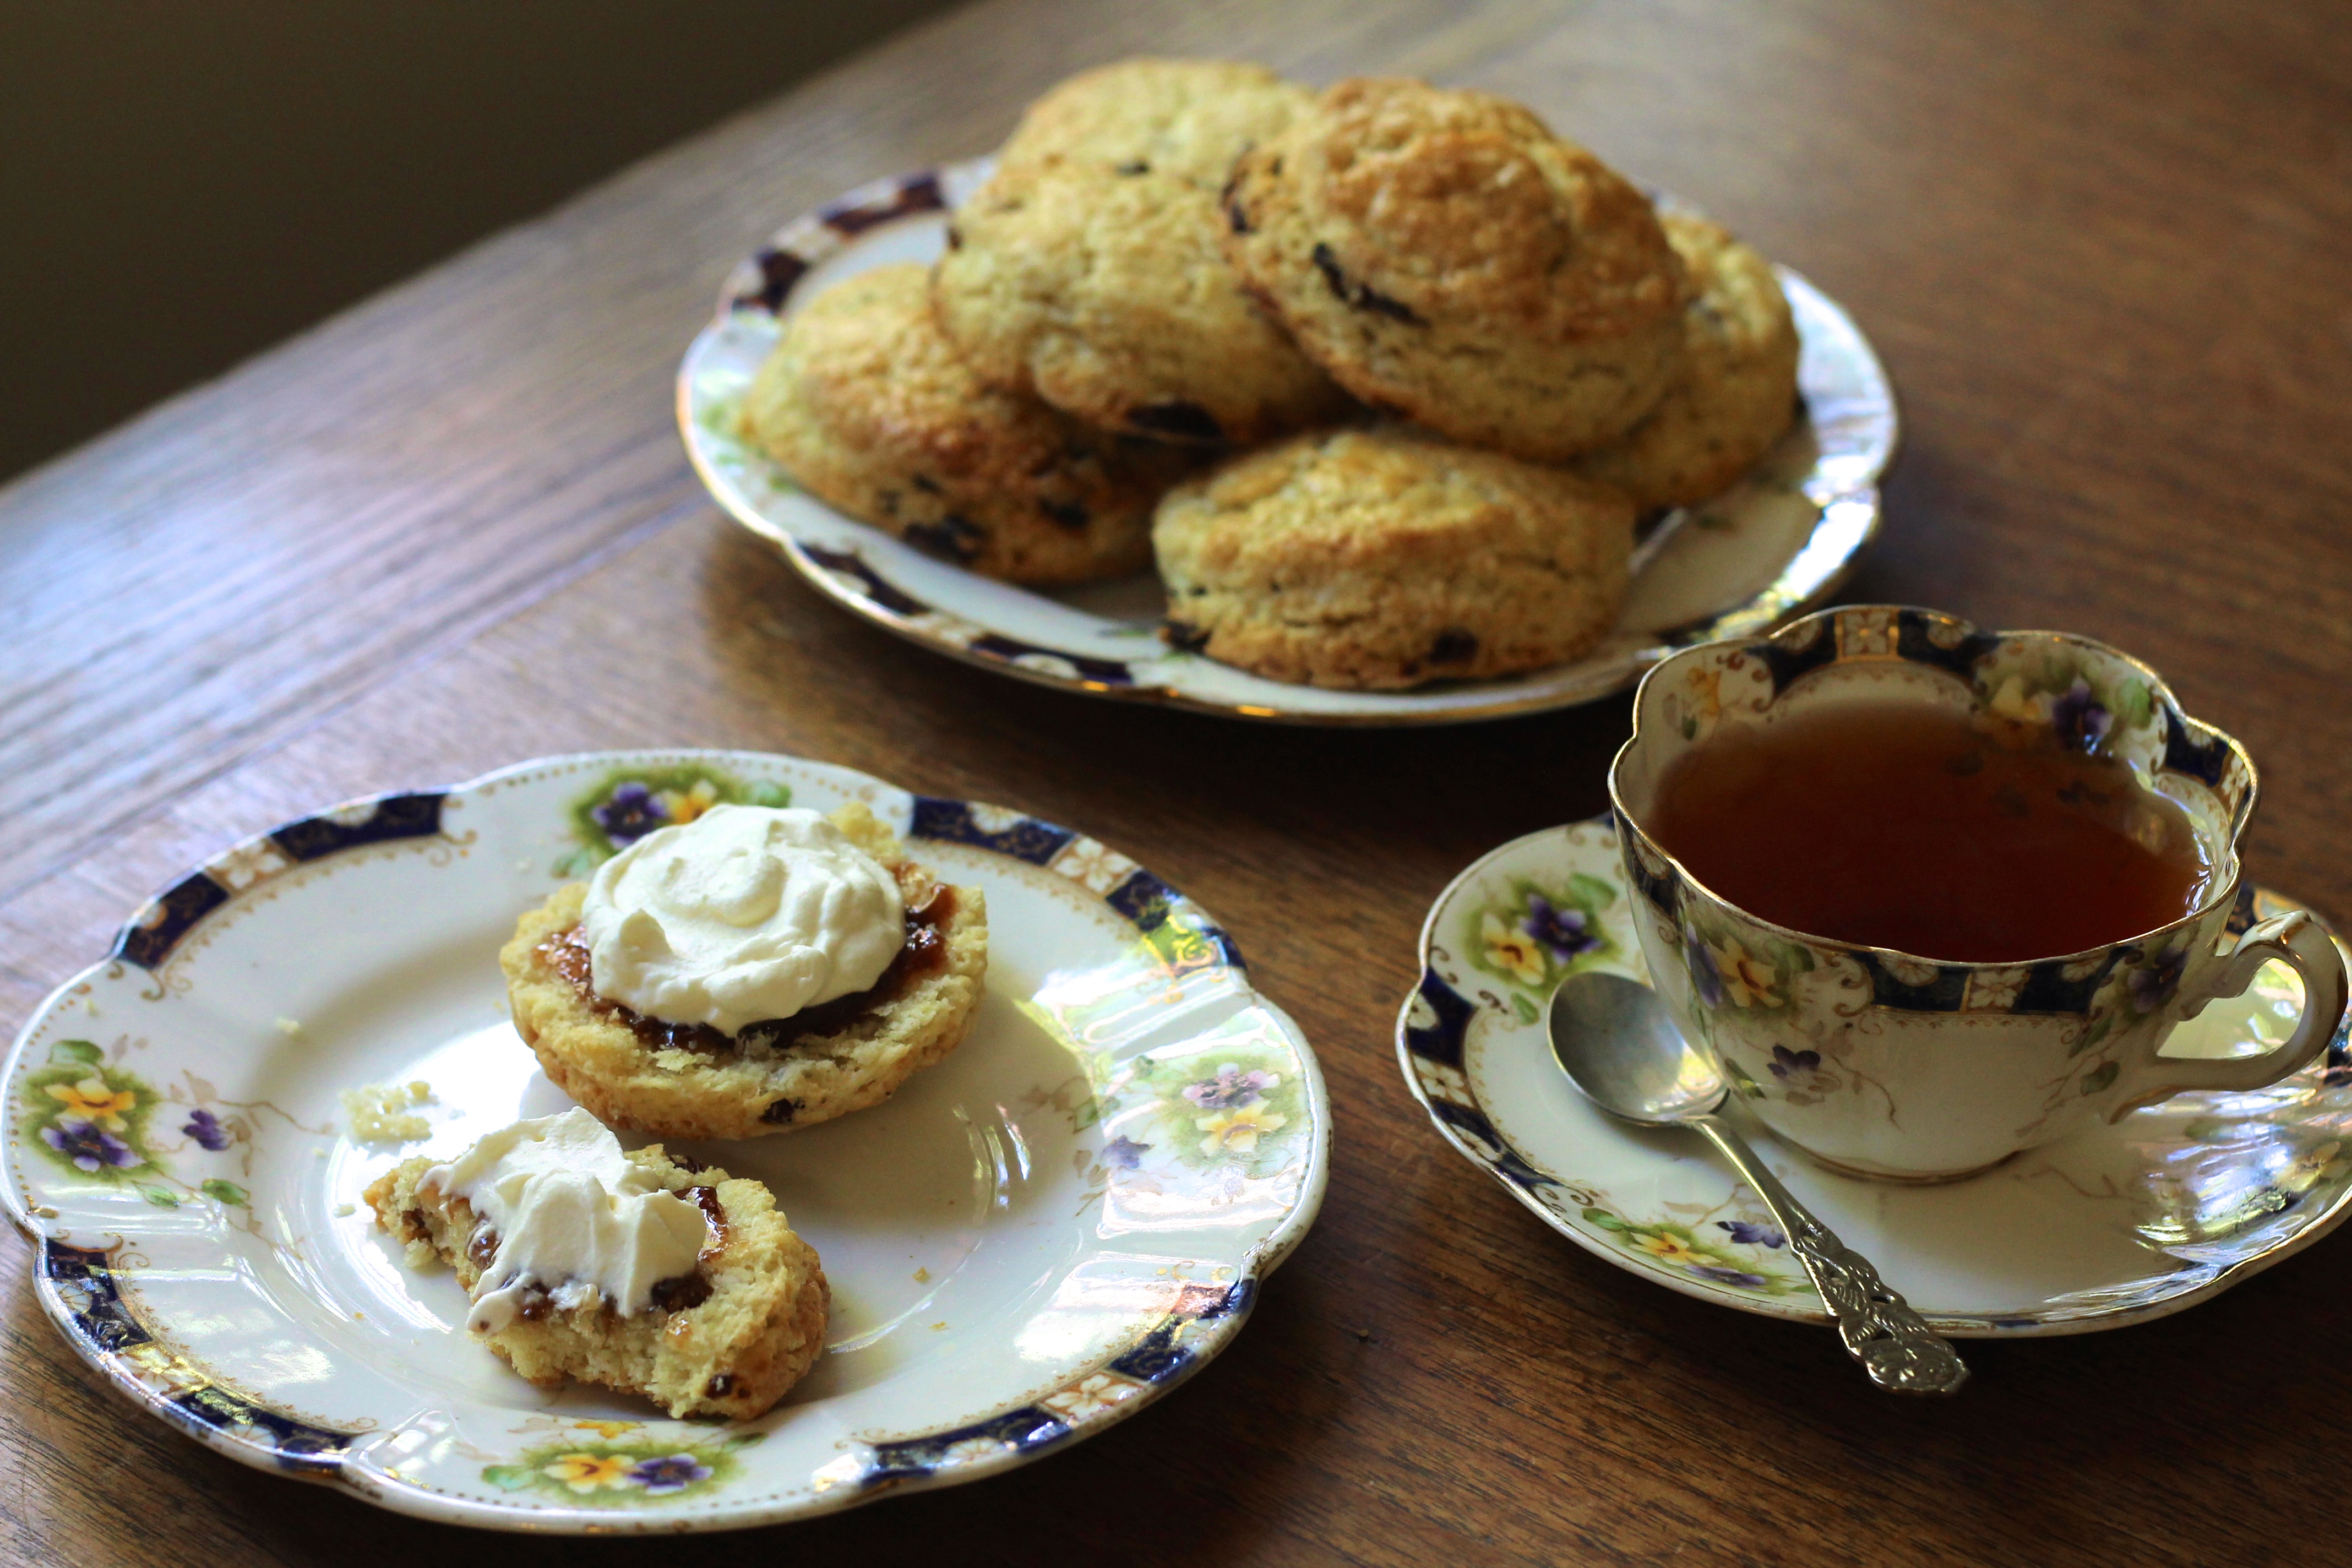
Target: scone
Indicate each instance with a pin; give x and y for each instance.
(1107, 296)
(870, 409)
(693, 1081)
(726, 1336)
(1188, 118)
(1448, 259)
(1384, 558)
(1737, 390)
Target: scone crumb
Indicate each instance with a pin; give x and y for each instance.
(922, 1276)
(378, 1115)
(345, 1211)
(290, 1027)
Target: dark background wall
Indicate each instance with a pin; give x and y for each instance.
(184, 182)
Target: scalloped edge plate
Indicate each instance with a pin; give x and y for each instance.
(1033, 1239)
(1778, 543)
(2114, 1226)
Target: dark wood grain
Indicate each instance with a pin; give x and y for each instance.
(2100, 247)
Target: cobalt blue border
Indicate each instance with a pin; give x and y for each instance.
(81, 1282)
(172, 914)
(1158, 1359)
(1147, 902)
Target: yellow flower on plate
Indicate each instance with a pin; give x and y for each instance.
(685, 805)
(92, 1101)
(608, 1430)
(1747, 980)
(1236, 1131)
(1668, 1249)
(587, 1472)
(2013, 703)
(1513, 951)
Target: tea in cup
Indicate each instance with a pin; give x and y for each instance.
(1932, 895)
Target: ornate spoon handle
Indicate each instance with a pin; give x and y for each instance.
(1893, 1342)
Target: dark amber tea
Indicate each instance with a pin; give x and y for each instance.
(1904, 826)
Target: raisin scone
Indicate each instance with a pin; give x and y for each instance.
(1384, 558)
(671, 1280)
(1737, 390)
(866, 404)
(1447, 258)
(1185, 118)
(1107, 296)
(718, 1064)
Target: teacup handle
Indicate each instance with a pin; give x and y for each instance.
(2292, 938)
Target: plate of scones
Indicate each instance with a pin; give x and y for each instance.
(658, 1140)
(1384, 405)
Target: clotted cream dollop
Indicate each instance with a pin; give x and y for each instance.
(748, 912)
(571, 1213)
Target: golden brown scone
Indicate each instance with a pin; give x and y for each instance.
(870, 409)
(693, 1083)
(1448, 259)
(1186, 119)
(1386, 558)
(1737, 390)
(732, 1353)
(1107, 296)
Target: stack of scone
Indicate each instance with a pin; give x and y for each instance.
(749, 972)
(1430, 361)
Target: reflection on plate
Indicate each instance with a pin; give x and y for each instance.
(1776, 544)
(1032, 1239)
(2114, 1226)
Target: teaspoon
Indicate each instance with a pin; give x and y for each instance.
(1617, 1046)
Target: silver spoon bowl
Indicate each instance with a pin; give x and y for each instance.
(1621, 1050)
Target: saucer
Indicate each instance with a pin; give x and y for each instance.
(1778, 542)
(1036, 1237)
(2115, 1225)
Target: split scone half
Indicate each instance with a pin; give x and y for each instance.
(726, 1337)
(690, 1081)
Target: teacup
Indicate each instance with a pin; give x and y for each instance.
(1898, 1066)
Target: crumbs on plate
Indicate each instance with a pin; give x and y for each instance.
(378, 1112)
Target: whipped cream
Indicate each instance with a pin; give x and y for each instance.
(748, 912)
(572, 1216)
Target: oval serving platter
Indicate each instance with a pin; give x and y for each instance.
(1032, 1240)
(1776, 544)
(2114, 1226)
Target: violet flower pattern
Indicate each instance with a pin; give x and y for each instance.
(630, 813)
(88, 1145)
(1716, 1273)
(1803, 1075)
(1230, 1088)
(1565, 932)
(2078, 719)
(1124, 1153)
(1707, 974)
(668, 1473)
(2155, 985)
(1748, 1235)
(205, 1129)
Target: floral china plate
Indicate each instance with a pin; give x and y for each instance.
(1776, 544)
(1033, 1239)
(2113, 1225)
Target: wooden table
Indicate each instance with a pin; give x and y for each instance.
(2100, 244)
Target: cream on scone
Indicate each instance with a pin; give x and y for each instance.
(751, 972)
(632, 1270)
